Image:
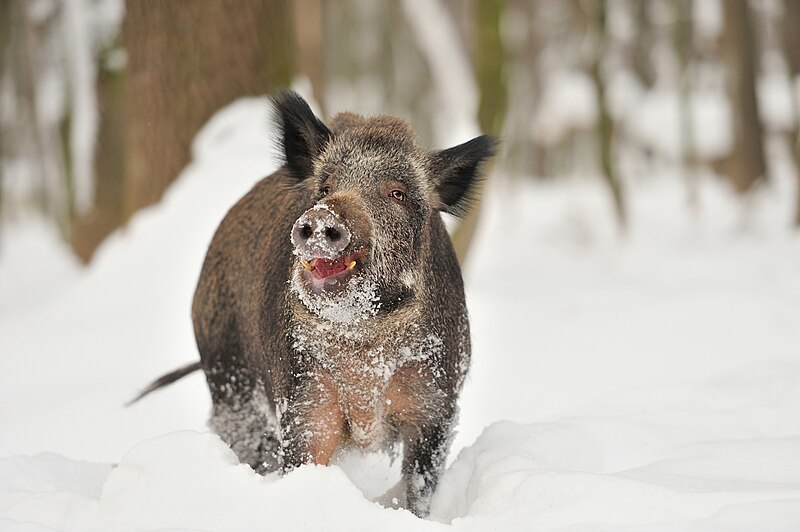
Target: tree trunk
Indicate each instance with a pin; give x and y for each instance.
(643, 42)
(5, 39)
(186, 60)
(791, 42)
(683, 42)
(747, 164)
(309, 34)
(176, 80)
(605, 122)
(107, 212)
(489, 62)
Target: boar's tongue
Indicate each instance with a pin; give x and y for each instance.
(325, 268)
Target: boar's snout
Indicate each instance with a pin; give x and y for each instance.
(319, 233)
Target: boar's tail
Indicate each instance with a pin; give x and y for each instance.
(169, 378)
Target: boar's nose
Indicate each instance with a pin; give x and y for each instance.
(319, 233)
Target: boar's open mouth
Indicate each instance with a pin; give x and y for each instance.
(328, 275)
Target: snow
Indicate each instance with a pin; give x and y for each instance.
(125, 321)
(568, 104)
(27, 282)
(655, 121)
(161, 483)
(650, 383)
(358, 301)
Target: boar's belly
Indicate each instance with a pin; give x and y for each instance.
(376, 409)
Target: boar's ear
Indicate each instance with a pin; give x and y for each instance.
(302, 134)
(456, 172)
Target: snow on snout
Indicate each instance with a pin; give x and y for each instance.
(319, 245)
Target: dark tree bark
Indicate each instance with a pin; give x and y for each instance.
(186, 60)
(5, 37)
(605, 122)
(746, 165)
(791, 44)
(642, 49)
(490, 66)
(489, 61)
(309, 35)
(107, 211)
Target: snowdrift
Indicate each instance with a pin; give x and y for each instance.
(650, 383)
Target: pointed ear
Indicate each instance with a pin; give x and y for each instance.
(302, 135)
(456, 172)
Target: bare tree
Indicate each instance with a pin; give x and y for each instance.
(5, 34)
(791, 42)
(605, 122)
(107, 210)
(523, 154)
(490, 72)
(643, 42)
(683, 42)
(176, 81)
(185, 61)
(309, 35)
(746, 165)
(37, 137)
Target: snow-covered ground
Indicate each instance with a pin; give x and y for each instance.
(650, 383)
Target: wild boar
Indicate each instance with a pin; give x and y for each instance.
(330, 308)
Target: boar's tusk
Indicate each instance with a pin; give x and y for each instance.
(307, 265)
(351, 265)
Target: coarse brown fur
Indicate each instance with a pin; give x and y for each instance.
(295, 374)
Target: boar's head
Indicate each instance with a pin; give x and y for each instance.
(364, 244)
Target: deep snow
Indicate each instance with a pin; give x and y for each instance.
(646, 383)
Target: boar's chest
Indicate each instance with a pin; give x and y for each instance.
(377, 378)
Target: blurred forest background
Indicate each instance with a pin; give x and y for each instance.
(100, 99)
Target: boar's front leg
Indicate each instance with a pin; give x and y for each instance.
(423, 462)
(313, 423)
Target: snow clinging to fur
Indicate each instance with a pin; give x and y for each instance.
(357, 301)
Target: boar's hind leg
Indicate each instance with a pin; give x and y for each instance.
(242, 415)
(250, 429)
(423, 462)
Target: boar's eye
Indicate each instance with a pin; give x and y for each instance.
(398, 195)
(326, 189)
